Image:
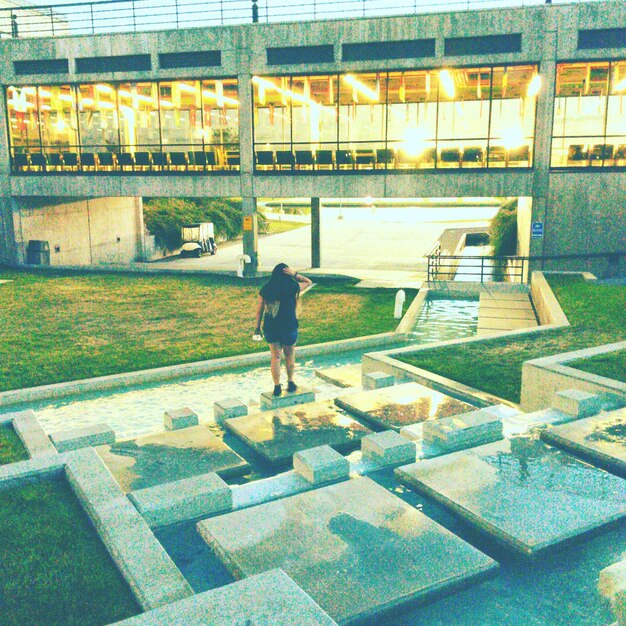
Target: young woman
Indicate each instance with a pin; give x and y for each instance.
(278, 299)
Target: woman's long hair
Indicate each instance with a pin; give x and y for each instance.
(279, 287)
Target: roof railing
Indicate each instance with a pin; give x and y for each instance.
(111, 16)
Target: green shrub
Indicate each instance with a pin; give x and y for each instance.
(503, 230)
(164, 217)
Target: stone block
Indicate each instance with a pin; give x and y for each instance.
(377, 380)
(576, 402)
(463, 431)
(183, 499)
(388, 448)
(227, 408)
(612, 579)
(321, 464)
(96, 435)
(301, 396)
(29, 430)
(179, 418)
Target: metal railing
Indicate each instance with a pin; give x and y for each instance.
(516, 269)
(110, 16)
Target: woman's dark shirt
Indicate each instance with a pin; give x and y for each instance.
(285, 319)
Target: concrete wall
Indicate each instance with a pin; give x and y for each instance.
(582, 212)
(82, 232)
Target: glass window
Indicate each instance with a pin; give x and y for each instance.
(98, 118)
(23, 119)
(59, 123)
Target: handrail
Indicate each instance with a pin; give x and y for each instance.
(107, 16)
(512, 268)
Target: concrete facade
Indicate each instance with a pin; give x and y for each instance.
(582, 212)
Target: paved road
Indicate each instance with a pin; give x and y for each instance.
(367, 245)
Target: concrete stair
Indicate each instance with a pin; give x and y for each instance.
(502, 312)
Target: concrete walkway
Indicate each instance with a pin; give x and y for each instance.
(501, 312)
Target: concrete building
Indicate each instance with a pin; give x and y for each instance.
(519, 102)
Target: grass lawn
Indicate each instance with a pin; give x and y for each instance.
(612, 365)
(11, 448)
(59, 327)
(596, 315)
(282, 226)
(55, 570)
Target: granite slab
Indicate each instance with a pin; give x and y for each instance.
(600, 439)
(156, 459)
(342, 376)
(524, 493)
(401, 405)
(355, 548)
(276, 435)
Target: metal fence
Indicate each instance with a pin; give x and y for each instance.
(110, 16)
(516, 269)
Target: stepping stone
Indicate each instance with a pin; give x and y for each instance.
(269, 599)
(321, 465)
(388, 448)
(179, 418)
(600, 440)
(156, 459)
(401, 405)
(277, 435)
(522, 492)
(96, 435)
(463, 431)
(377, 380)
(355, 548)
(229, 407)
(342, 376)
(301, 396)
(183, 499)
(577, 402)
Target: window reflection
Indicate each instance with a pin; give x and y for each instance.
(589, 119)
(130, 126)
(467, 117)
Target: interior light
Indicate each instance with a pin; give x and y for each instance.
(186, 87)
(214, 96)
(45, 107)
(104, 88)
(44, 93)
(166, 104)
(360, 87)
(534, 86)
(447, 82)
(29, 90)
(61, 125)
(414, 141)
(86, 102)
(125, 94)
(513, 138)
(621, 86)
(143, 98)
(106, 105)
(66, 97)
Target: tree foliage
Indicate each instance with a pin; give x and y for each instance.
(164, 217)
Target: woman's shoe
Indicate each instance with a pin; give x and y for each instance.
(291, 387)
(277, 390)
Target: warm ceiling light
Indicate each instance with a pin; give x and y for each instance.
(44, 93)
(45, 107)
(166, 104)
(186, 87)
(106, 105)
(214, 96)
(361, 88)
(104, 88)
(125, 94)
(143, 98)
(66, 97)
(621, 86)
(29, 90)
(447, 82)
(534, 86)
(86, 101)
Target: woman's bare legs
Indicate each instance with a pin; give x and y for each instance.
(275, 349)
(290, 361)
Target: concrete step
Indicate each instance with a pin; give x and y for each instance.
(343, 376)
(303, 395)
(492, 323)
(508, 304)
(499, 313)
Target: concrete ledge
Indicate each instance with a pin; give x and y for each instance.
(14, 474)
(268, 599)
(173, 372)
(227, 408)
(548, 309)
(145, 565)
(183, 500)
(321, 465)
(463, 431)
(577, 403)
(542, 378)
(32, 435)
(96, 435)
(612, 579)
(377, 380)
(388, 448)
(179, 418)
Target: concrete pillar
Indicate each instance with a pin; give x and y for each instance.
(316, 258)
(543, 130)
(250, 235)
(8, 247)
